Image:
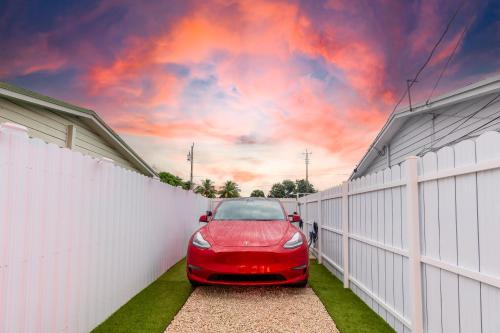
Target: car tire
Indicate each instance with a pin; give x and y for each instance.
(194, 284)
(301, 284)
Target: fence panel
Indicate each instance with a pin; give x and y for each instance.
(331, 241)
(467, 238)
(378, 272)
(80, 236)
(459, 226)
(487, 148)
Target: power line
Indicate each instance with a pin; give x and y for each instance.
(441, 129)
(491, 125)
(423, 151)
(485, 125)
(467, 135)
(412, 81)
(464, 32)
(473, 114)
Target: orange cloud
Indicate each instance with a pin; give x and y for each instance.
(447, 49)
(428, 23)
(362, 65)
(205, 31)
(244, 176)
(260, 77)
(370, 118)
(236, 174)
(251, 50)
(256, 30)
(143, 126)
(313, 120)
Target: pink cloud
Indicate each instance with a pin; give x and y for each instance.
(244, 175)
(35, 57)
(273, 71)
(313, 120)
(357, 56)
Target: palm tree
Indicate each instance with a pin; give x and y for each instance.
(229, 190)
(207, 188)
(257, 193)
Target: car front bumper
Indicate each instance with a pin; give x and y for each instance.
(248, 265)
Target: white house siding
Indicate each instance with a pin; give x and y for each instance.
(416, 134)
(52, 128)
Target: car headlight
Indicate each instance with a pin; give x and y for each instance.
(294, 242)
(200, 242)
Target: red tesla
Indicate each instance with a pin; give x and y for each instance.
(248, 241)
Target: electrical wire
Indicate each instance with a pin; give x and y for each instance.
(445, 128)
(485, 125)
(448, 61)
(450, 21)
(463, 136)
(418, 125)
(466, 119)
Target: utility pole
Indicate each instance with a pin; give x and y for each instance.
(307, 153)
(190, 158)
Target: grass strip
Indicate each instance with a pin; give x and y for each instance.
(153, 308)
(347, 310)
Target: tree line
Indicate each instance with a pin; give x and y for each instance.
(286, 189)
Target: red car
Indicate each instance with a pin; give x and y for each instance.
(248, 241)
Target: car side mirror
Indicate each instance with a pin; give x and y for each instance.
(203, 218)
(295, 218)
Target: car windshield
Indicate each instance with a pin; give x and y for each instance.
(259, 210)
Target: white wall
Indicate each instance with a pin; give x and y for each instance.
(80, 236)
(455, 245)
(439, 128)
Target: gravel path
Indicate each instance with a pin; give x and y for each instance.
(256, 310)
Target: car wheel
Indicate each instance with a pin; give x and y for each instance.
(301, 284)
(194, 284)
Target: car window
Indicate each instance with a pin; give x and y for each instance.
(261, 210)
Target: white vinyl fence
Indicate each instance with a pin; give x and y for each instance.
(420, 242)
(80, 236)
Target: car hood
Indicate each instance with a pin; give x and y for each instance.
(247, 233)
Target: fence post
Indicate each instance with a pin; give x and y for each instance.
(414, 244)
(345, 231)
(320, 232)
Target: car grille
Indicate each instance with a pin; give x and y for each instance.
(247, 258)
(246, 277)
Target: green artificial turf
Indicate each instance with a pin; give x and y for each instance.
(154, 307)
(348, 311)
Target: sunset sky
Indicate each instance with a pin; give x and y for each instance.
(252, 83)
